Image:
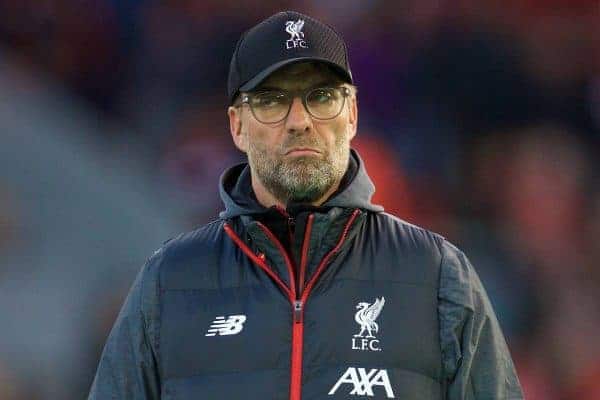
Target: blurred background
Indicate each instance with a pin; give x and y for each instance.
(479, 119)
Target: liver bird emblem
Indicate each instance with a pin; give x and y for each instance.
(294, 28)
(366, 316)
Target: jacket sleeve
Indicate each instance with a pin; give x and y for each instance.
(128, 367)
(476, 360)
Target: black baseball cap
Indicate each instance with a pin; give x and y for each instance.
(282, 39)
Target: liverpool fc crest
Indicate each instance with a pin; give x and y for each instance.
(294, 28)
(365, 316)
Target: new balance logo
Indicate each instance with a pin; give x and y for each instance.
(363, 382)
(230, 326)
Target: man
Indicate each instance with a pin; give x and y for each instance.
(303, 289)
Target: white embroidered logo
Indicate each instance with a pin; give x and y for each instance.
(230, 326)
(294, 28)
(365, 317)
(363, 382)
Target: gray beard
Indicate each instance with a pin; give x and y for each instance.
(303, 179)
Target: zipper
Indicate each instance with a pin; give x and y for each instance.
(298, 329)
(298, 325)
(304, 256)
(297, 301)
(298, 309)
(297, 344)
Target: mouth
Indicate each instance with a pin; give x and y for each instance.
(302, 151)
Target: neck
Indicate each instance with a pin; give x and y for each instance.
(268, 200)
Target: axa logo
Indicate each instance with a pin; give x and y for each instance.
(363, 382)
(365, 316)
(294, 28)
(222, 325)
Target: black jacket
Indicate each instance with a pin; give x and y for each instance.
(352, 303)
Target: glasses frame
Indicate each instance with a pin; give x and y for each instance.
(302, 94)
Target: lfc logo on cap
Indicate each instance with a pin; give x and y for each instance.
(294, 28)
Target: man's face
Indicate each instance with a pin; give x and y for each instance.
(301, 158)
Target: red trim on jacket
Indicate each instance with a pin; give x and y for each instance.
(297, 303)
(303, 258)
(328, 256)
(258, 260)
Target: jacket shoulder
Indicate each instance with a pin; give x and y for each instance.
(203, 238)
(408, 234)
(413, 253)
(189, 260)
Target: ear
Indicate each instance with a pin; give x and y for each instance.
(353, 117)
(235, 128)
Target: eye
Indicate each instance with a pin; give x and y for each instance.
(321, 96)
(268, 99)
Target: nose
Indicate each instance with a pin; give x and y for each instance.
(298, 120)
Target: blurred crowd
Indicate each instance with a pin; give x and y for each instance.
(479, 119)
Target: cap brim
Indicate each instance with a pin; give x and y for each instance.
(261, 76)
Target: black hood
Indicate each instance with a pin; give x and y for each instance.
(236, 192)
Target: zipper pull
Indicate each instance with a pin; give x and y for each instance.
(298, 310)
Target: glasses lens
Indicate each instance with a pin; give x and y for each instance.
(270, 106)
(325, 103)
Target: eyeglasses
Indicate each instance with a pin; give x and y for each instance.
(273, 106)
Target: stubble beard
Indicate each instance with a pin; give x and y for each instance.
(303, 179)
